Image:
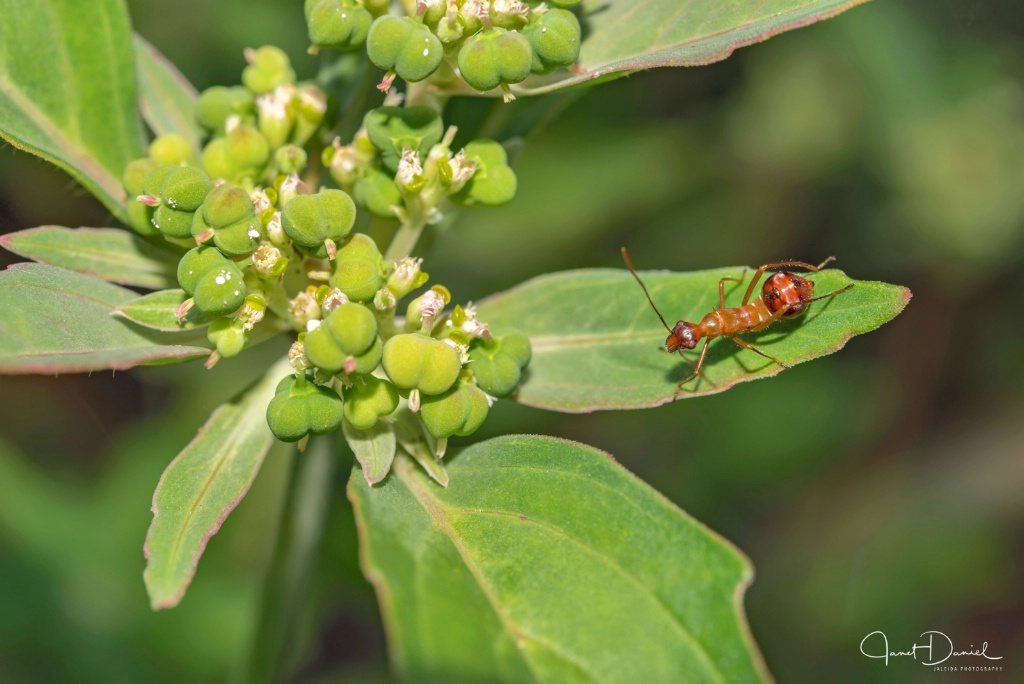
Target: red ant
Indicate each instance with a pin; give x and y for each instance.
(783, 294)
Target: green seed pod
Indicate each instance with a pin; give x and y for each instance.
(268, 68)
(495, 57)
(497, 366)
(154, 180)
(300, 407)
(217, 104)
(215, 160)
(140, 216)
(228, 336)
(564, 3)
(376, 191)
(494, 182)
(340, 24)
(358, 268)
(368, 400)
(248, 150)
(171, 148)
(377, 7)
(555, 37)
(182, 191)
(415, 361)
(460, 411)
(291, 159)
(310, 220)
(348, 331)
(393, 129)
(228, 212)
(215, 283)
(404, 45)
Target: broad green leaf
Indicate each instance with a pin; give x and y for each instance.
(166, 98)
(108, 253)
(58, 321)
(67, 89)
(545, 561)
(202, 485)
(157, 310)
(597, 344)
(621, 36)
(374, 449)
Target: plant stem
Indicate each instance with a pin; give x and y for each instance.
(405, 240)
(298, 543)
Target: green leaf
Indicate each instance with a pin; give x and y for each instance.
(67, 89)
(544, 560)
(58, 321)
(621, 36)
(374, 449)
(109, 253)
(166, 98)
(597, 344)
(202, 485)
(413, 440)
(157, 310)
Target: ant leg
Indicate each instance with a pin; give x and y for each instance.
(747, 345)
(721, 287)
(696, 370)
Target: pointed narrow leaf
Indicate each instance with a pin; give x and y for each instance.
(374, 449)
(109, 253)
(157, 310)
(202, 485)
(412, 439)
(166, 98)
(620, 36)
(67, 89)
(545, 561)
(58, 321)
(597, 344)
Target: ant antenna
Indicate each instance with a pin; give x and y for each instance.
(629, 265)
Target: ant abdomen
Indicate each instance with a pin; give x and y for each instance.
(786, 291)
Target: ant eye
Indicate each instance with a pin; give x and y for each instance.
(775, 292)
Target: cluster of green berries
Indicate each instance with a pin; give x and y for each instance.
(265, 250)
(401, 165)
(488, 43)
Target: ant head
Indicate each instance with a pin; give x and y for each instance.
(683, 336)
(786, 291)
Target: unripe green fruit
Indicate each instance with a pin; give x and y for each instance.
(310, 220)
(393, 129)
(340, 24)
(555, 37)
(135, 175)
(494, 182)
(140, 218)
(368, 361)
(300, 407)
(565, 3)
(415, 361)
(214, 282)
(217, 104)
(291, 159)
(247, 148)
(348, 331)
(181, 193)
(228, 336)
(404, 45)
(460, 411)
(268, 69)
(358, 268)
(497, 366)
(368, 400)
(377, 192)
(154, 180)
(495, 57)
(172, 148)
(228, 211)
(215, 160)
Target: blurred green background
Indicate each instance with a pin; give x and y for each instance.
(876, 489)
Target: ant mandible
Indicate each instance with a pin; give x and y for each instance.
(783, 294)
